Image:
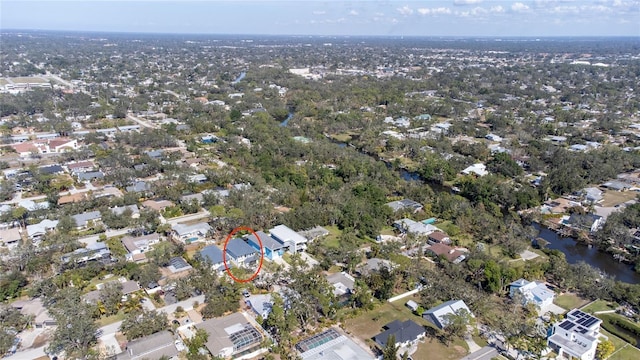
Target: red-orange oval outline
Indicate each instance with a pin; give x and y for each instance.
(224, 254)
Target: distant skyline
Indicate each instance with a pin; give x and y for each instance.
(330, 17)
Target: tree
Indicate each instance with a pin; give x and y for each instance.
(390, 351)
(456, 324)
(111, 297)
(196, 343)
(76, 332)
(605, 349)
(142, 323)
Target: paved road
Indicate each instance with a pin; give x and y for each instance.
(29, 354)
(141, 122)
(18, 197)
(486, 353)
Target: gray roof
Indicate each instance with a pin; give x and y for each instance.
(150, 347)
(138, 186)
(212, 253)
(239, 248)
(437, 313)
(134, 243)
(267, 241)
(404, 204)
(90, 175)
(85, 217)
(41, 227)
(414, 227)
(331, 345)
(403, 332)
(119, 210)
(222, 330)
(342, 282)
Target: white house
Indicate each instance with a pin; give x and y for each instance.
(138, 246)
(191, 233)
(476, 169)
(576, 336)
(533, 292)
(437, 315)
(291, 239)
(36, 231)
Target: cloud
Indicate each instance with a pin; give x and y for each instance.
(434, 11)
(353, 13)
(319, 12)
(497, 9)
(519, 7)
(405, 10)
(466, 2)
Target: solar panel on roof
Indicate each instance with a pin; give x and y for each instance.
(590, 322)
(567, 325)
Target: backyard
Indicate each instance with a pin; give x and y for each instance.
(570, 301)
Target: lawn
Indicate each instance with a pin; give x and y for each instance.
(628, 352)
(111, 319)
(570, 301)
(432, 348)
(332, 240)
(368, 324)
(599, 305)
(613, 198)
(617, 342)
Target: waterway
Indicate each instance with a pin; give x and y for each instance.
(285, 122)
(239, 78)
(576, 252)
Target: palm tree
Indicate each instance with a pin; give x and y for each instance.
(132, 304)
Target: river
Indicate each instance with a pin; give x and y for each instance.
(576, 252)
(239, 78)
(285, 122)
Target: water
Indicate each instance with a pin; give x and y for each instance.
(575, 252)
(286, 121)
(239, 78)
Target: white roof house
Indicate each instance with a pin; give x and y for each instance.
(38, 230)
(437, 315)
(414, 227)
(476, 169)
(191, 233)
(533, 292)
(291, 239)
(576, 336)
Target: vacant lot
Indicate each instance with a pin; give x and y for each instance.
(613, 198)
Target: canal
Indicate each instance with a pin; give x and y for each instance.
(576, 252)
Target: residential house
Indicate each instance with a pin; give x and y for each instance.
(154, 346)
(617, 185)
(133, 209)
(230, 335)
(406, 333)
(241, 253)
(213, 255)
(35, 307)
(592, 195)
(36, 231)
(97, 251)
(332, 344)
(31, 205)
(293, 241)
(272, 248)
(405, 205)
(575, 337)
(72, 198)
(415, 228)
(261, 304)
(343, 284)
(438, 237)
(374, 264)
(81, 167)
(453, 255)
(412, 305)
(10, 237)
(90, 175)
(178, 264)
(199, 197)
(476, 170)
(438, 315)
(87, 219)
(589, 222)
(188, 234)
(51, 170)
(533, 292)
(138, 186)
(137, 247)
(197, 178)
(157, 205)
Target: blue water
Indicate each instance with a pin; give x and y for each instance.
(239, 78)
(286, 121)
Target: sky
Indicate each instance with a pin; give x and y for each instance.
(494, 18)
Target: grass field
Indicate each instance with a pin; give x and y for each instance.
(331, 240)
(617, 342)
(627, 352)
(599, 305)
(570, 301)
(613, 198)
(28, 79)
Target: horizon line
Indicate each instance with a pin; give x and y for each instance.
(319, 35)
